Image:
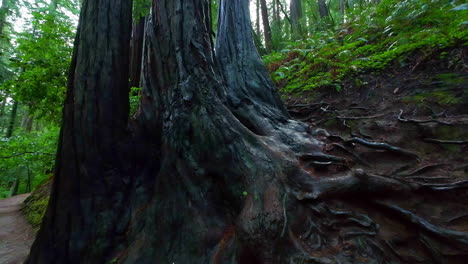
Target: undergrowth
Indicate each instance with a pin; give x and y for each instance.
(26, 158)
(373, 41)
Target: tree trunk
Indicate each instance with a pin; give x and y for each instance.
(323, 8)
(266, 25)
(136, 54)
(84, 217)
(296, 17)
(15, 186)
(2, 112)
(11, 125)
(213, 170)
(4, 14)
(257, 20)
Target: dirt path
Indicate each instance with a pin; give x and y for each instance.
(16, 235)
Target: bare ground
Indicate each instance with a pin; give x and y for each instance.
(16, 235)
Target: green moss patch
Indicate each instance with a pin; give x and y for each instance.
(35, 206)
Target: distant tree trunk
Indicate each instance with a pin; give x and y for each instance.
(15, 187)
(257, 21)
(136, 53)
(2, 112)
(296, 16)
(323, 8)
(4, 10)
(27, 121)
(266, 25)
(342, 8)
(11, 125)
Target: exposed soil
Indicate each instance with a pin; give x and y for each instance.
(16, 234)
(408, 124)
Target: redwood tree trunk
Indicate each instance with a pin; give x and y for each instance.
(85, 214)
(213, 170)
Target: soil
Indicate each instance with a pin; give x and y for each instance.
(16, 234)
(418, 118)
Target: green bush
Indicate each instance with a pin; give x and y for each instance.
(27, 157)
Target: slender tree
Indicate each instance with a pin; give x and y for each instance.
(323, 8)
(13, 115)
(4, 10)
(266, 25)
(296, 17)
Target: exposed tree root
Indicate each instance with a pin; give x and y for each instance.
(405, 120)
(423, 169)
(382, 146)
(439, 141)
(456, 238)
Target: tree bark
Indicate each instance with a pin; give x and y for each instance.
(84, 216)
(213, 170)
(266, 26)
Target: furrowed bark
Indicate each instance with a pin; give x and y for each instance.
(83, 220)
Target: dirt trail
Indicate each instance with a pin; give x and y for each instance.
(16, 235)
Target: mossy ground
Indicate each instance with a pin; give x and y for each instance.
(391, 35)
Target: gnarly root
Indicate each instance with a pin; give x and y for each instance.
(322, 234)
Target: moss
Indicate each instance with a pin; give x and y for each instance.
(441, 97)
(35, 206)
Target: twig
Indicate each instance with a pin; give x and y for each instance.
(455, 142)
(446, 186)
(424, 169)
(284, 215)
(405, 120)
(383, 146)
(307, 105)
(24, 153)
(359, 117)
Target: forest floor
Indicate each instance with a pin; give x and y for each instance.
(409, 124)
(16, 234)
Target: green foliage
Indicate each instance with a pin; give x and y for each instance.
(27, 156)
(135, 96)
(141, 8)
(372, 39)
(42, 59)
